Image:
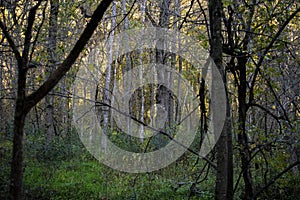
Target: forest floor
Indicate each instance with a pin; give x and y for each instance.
(65, 170)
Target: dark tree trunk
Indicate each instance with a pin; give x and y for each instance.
(19, 122)
(242, 135)
(224, 177)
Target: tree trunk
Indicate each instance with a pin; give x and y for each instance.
(224, 179)
(242, 135)
(1, 98)
(52, 34)
(107, 89)
(16, 176)
(162, 93)
(142, 110)
(126, 83)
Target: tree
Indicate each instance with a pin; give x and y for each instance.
(224, 179)
(52, 48)
(243, 50)
(25, 102)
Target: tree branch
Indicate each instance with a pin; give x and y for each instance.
(66, 65)
(11, 43)
(28, 33)
(257, 70)
(273, 180)
(267, 111)
(160, 132)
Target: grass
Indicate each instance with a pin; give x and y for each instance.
(68, 171)
(65, 170)
(89, 179)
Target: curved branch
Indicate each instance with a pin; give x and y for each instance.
(66, 65)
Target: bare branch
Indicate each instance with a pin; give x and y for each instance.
(11, 43)
(160, 132)
(28, 33)
(267, 111)
(273, 180)
(55, 77)
(257, 70)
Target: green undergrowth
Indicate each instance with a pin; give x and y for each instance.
(64, 169)
(79, 179)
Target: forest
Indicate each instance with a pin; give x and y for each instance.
(150, 99)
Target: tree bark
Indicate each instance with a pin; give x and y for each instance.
(107, 91)
(162, 92)
(224, 179)
(52, 34)
(16, 176)
(242, 135)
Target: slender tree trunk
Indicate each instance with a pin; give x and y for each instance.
(242, 135)
(126, 83)
(1, 97)
(107, 90)
(177, 10)
(163, 96)
(141, 128)
(52, 34)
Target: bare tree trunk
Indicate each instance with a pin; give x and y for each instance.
(223, 189)
(162, 94)
(242, 135)
(107, 89)
(52, 41)
(16, 175)
(1, 97)
(127, 84)
(177, 11)
(141, 129)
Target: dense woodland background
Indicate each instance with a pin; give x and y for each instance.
(255, 45)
